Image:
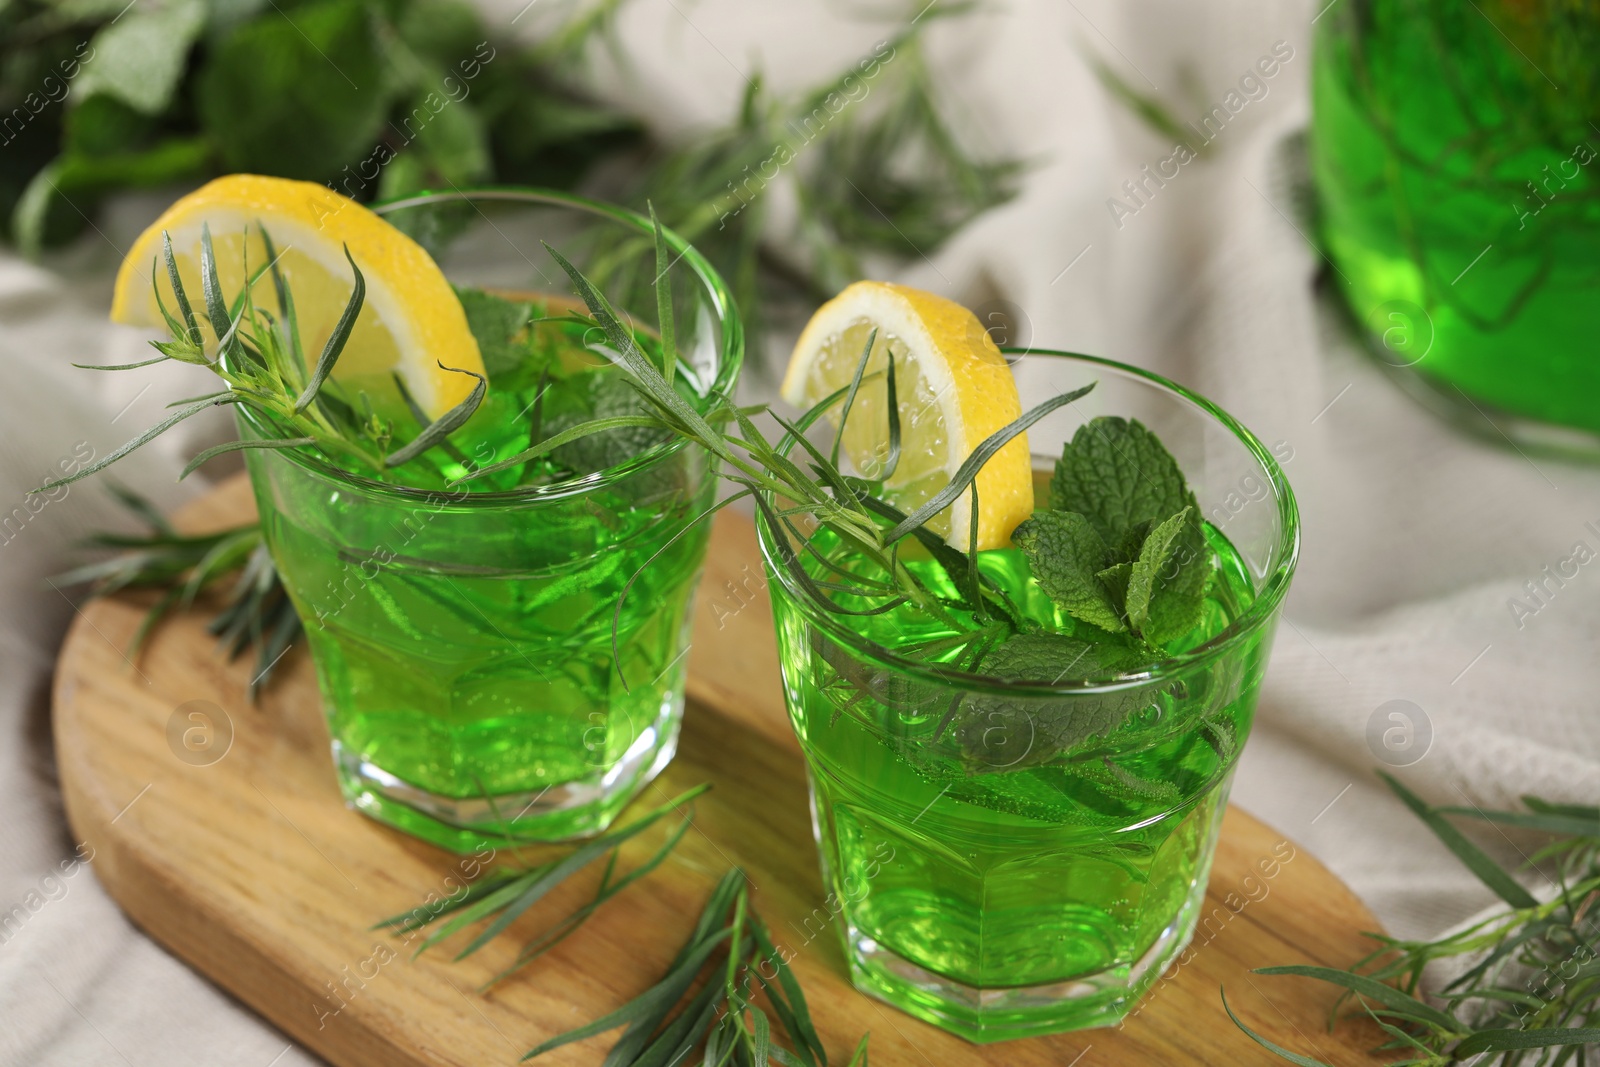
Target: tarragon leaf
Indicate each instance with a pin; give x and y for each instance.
(1117, 474)
(1479, 862)
(1278, 1050)
(440, 429)
(1066, 556)
(1501, 1039)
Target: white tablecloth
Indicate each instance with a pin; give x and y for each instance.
(1415, 538)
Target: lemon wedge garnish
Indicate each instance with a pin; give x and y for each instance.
(953, 390)
(411, 320)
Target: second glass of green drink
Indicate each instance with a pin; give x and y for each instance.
(1010, 858)
(485, 676)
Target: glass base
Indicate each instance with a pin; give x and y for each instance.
(577, 808)
(1485, 420)
(1002, 1014)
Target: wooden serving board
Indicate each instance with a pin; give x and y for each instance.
(250, 868)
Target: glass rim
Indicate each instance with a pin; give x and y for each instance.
(731, 360)
(1262, 609)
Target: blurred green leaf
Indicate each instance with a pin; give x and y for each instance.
(298, 93)
(448, 146)
(139, 58)
(104, 125)
(494, 321)
(60, 197)
(445, 31)
(225, 16)
(546, 132)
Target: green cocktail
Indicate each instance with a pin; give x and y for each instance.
(1014, 857)
(1454, 152)
(505, 657)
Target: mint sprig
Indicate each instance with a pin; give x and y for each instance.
(1121, 547)
(1118, 474)
(1068, 558)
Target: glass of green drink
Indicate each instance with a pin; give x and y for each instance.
(1008, 858)
(1454, 153)
(504, 658)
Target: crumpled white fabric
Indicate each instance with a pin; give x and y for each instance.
(1415, 538)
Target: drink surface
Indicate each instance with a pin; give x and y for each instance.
(962, 836)
(1457, 190)
(472, 650)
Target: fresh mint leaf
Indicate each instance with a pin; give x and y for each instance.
(1117, 474)
(603, 394)
(1055, 658)
(1066, 556)
(1154, 556)
(300, 97)
(1126, 549)
(996, 733)
(139, 57)
(1115, 579)
(1177, 598)
(1117, 477)
(495, 323)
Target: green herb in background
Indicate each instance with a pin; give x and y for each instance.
(375, 99)
(877, 167)
(378, 99)
(1530, 993)
(256, 612)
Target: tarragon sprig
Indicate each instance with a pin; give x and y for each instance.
(256, 611)
(1531, 995)
(257, 355)
(725, 1017)
(729, 943)
(499, 899)
(792, 477)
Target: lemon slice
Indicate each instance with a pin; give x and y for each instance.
(953, 390)
(411, 320)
